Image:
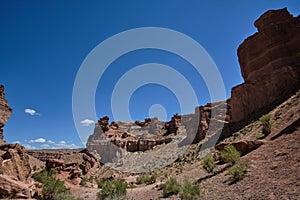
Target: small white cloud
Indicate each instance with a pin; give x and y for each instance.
(39, 140)
(27, 146)
(31, 111)
(50, 142)
(45, 145)
(87, 122)
(62, 142)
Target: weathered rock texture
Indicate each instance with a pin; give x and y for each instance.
(206, 121)
(15, 169)
(138, 136)
(110, 141)
(270, 65)
(74, 163)
(5, 112)
(15, 172)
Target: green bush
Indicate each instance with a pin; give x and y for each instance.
(113, 189)
(239, 169)
(85, 180)
(208, 163)
(230, 154)
(189, 191)
(266, 123)
(144, 179)
(170, 187)
(53, 189)
(259, 135)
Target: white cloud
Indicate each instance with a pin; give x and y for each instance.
(31, 111)
(42, 143)
(87, 122)
(39, 140)
(27, 146)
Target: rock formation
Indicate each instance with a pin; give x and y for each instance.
(5, 112)
(138, 136)
(15, 169)
(73, 163)
(15, 172)
(270, 65)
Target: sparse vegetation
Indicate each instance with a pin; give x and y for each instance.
(144, 179)
(171, 187)
(239, 169)
(266, 123)
(85, 180)
(208, 163)
(259, 135)
(189, 191)
(53, 189)
(113, 189)
(230, 154)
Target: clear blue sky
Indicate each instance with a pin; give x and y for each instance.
(43, 43)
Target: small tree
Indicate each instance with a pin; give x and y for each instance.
(266, 123)
(208, 163)
(230, 154)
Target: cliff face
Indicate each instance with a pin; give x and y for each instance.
(15, 168)
(270, 64)
(5, 112)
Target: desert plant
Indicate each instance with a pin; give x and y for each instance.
(85, 180)
(208, 163)
(144, 179)
(52, 188)
(170, 187)
(230, 154)
(189, 191)
(259, 135)
(239, 169)
(113, 189)
(266, 124)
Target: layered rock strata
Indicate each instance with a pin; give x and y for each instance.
(270, 65)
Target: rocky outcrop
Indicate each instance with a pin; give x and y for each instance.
(15, 172)
(15, 162)
(5, 112)
(206, 121)
(11, 188)
(270, 65)
(75, 162)
(243, 146)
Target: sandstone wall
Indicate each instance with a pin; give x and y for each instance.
(270, 65)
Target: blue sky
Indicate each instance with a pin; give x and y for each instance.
(43, 44)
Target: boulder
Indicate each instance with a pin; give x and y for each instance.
(15, 162)
(13, 188)
(242, 146)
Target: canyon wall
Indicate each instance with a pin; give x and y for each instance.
(270, 65)
(5, 112)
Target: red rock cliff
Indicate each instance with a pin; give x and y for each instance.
(270, 64)
(5, 111)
